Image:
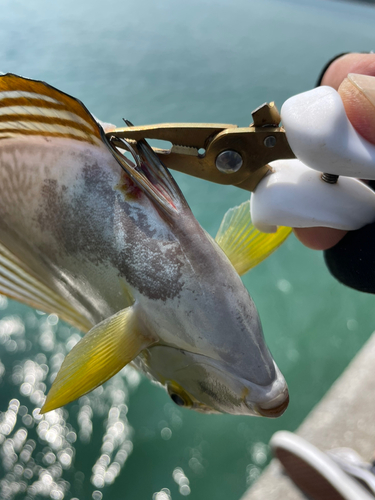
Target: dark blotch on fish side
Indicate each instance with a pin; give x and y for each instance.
(85, 228)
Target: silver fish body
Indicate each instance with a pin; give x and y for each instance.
(99, 241)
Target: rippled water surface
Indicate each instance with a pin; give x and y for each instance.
(207, 61)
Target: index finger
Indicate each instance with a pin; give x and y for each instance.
(362, 64)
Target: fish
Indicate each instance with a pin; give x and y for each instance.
(107, 241)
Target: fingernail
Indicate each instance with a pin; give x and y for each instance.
(365, 84)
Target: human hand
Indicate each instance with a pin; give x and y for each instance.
(358, 95)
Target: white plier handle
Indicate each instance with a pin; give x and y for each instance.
(322, 138)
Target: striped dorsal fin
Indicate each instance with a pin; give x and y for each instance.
(34, 108)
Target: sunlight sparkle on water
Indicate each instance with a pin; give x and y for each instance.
(37, 452)
(181, 479)
(163, 494)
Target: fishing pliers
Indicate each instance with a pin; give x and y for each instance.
(301, 174)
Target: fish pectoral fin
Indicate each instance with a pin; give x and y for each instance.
(101, 353)
(243, 244)
(18, 282)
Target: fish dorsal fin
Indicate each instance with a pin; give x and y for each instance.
(34, 108)
(243, 244)
(101, 353)
(18, 282)
(30, 107)
(150, 174)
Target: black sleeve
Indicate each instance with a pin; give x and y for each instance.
(352, 260)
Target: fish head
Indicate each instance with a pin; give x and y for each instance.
(215, 358)
(211, 355)
(207, 385)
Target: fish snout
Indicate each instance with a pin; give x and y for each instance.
(272, 400)
(276, 407)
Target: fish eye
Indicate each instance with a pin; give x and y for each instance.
(177, 399)
(179, 396)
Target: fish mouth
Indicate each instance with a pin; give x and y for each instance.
(274, 408)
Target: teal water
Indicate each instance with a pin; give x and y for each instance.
(208, 61)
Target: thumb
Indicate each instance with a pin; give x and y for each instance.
(358, 95)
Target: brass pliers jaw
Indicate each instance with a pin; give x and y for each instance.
(221, 153)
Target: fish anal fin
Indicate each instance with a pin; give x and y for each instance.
(101, 353)
(243, 244)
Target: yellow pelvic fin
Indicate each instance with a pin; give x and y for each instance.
(102, 352)
(243, 244)
(18, 282)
